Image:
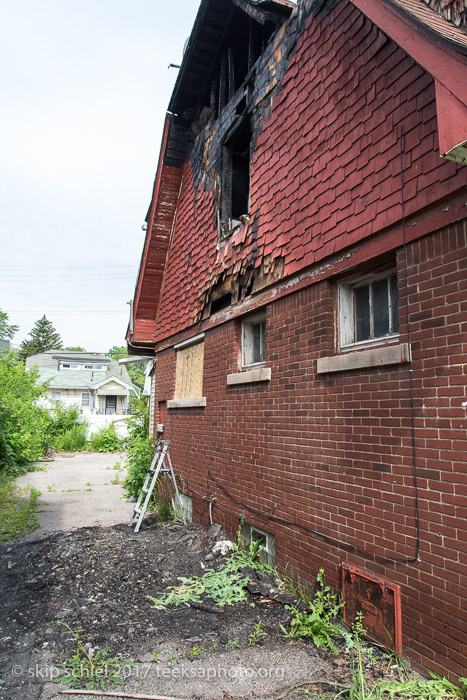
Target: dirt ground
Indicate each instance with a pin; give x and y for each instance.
(97, 580)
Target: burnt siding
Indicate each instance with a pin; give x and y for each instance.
(331, 101)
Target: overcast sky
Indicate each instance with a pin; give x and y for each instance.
(84, 88)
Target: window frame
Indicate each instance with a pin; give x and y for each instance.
(268, 554)
(55, 398)
(248, 341)
(346, 317)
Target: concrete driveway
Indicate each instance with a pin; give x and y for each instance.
(77, 491)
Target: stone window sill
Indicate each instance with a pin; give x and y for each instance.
(374, 357)
(261, 374)
(199, 402)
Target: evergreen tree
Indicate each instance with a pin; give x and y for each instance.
(7, 330)
(43, 337)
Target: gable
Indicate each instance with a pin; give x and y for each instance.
(337, 93)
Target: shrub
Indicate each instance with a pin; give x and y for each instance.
(23, 424)
(73, 440)
(106, 440)
(139, 450)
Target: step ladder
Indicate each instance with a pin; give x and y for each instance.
(161, 465)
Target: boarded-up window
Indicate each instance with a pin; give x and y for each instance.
(189, 372)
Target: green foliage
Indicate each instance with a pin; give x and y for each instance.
(23, 425)
(106, 440)
(258, 633)
(224, 587)
(75, 348)
(135, 369)
(139, 448)
(73, 440)
(7, 330)
(318, 621)
(43, 337)
(17, 513)
(91, 668)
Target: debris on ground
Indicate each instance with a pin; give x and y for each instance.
(97, 581)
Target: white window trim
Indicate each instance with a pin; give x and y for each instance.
(270, 548)
(191, 341)
(246, 351)
(346, 316)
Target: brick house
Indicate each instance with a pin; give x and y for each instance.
(303, 288)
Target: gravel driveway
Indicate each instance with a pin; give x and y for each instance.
(77, 491)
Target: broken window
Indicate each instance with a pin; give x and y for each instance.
(368, 309)
(189, 369)
(252, 534)
(235, 184)
(254, 340)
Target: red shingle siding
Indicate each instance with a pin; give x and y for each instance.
(334, 452)
(326, 167)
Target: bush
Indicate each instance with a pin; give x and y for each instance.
(140, 449)
(73, 440)
(23, 424)
(139, 457)
(106, 440)
(62, 420)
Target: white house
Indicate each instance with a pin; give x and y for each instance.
(98, 384)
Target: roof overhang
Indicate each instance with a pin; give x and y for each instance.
(219, 22)
(440, 48)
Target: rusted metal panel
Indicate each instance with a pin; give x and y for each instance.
(380, 602)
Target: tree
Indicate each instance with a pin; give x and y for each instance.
(74, 348)
(7, 330)
(43, 337)
(135, 370)
(23, 425)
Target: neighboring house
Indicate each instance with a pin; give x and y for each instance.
(303, 287)
(94, 382)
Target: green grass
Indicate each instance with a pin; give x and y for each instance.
(17, 510)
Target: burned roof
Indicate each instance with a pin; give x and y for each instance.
(221, 23)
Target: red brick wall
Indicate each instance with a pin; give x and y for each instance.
(333, 452)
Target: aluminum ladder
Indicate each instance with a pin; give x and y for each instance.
(160, 465)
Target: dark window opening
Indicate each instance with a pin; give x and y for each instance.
(221, 302)
(376, 309)
(236, 177)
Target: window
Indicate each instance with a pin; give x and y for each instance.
(85, 397)
(368, 309)
(235, 183)
(265, 539)
(187, 507)
(254, 340)
(189, 369)
(56, 395)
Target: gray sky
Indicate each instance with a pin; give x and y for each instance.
(84, 88)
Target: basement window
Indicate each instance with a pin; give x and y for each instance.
(254, 340)
(235, 183)
(368, 310)
(187, 506)
(250, 533)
